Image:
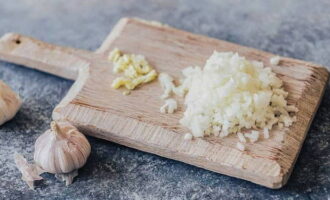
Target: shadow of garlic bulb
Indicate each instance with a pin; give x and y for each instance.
(10, 103)
(62, 150)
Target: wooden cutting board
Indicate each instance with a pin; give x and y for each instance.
(135, 121)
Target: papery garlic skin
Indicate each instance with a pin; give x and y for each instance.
(62, 149)
(10, 103)
(30, 172)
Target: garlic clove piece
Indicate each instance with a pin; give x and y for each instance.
(10, 102)
(62, 149)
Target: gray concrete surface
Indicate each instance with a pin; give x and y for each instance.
(296, 28)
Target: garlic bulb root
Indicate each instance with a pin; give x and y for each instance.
(68, 178)
(62, 150)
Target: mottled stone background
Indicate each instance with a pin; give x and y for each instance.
(297, 28)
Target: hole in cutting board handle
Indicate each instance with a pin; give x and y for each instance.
(17, 41)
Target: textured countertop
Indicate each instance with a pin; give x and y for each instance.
(297, 28)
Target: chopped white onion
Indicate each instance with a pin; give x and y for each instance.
(240, 146)
(169, 107)
(253, 136)
(241, 137)
(188, 136)
(166, 82)
(266, 133)
(232, 93)
(275, 60)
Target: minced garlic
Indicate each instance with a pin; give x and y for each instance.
(136, 70)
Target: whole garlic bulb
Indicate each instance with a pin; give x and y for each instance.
(10, 103)
(62, 150)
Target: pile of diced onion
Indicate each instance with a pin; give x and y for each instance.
(231, 95)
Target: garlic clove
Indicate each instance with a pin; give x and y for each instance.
(62, 150)
(44, 151)
(10, 103)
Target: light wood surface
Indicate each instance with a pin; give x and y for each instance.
(135, 121)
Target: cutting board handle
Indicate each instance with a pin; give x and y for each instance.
(32, 53)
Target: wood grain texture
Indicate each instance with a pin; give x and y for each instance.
(135, 120)
(61, 61)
